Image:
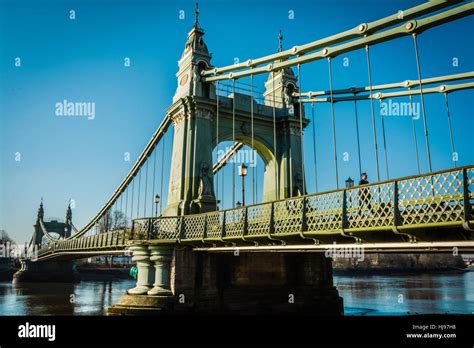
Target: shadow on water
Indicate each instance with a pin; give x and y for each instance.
(84, 298)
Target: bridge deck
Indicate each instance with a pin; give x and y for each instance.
(407, 213)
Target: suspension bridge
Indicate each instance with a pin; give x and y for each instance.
(186, 247)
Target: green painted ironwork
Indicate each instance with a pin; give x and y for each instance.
(395, 210)
(361, 30)
(417, 202)
(368, 38)
(395, 85)
(400, 210)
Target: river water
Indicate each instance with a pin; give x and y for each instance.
(363, 295)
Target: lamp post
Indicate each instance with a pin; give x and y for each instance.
(157, 201)
(243, 173)
(349, 183)
(238, 204)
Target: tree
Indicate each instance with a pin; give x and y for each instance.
(4, 237)
(113, 221)
(119, 220)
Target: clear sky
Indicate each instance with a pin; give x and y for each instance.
(66, 158)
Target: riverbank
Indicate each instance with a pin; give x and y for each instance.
(400, 264)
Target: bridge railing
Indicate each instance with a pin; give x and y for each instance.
(440, 199)
(108, 240)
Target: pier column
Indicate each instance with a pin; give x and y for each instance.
(161, 257)
(145, 277)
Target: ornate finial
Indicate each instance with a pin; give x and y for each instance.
(40, 215)
(280, 42)
(69, 213)
(196, 15)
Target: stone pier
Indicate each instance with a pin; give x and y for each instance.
(183, 281)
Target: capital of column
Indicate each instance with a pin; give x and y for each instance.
(179, 116)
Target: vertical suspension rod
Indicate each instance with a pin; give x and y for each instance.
(233, 142)
(162, 173)
(357, 135)
(126, 206)
(277, 195)
(333, 122)
(139, 192)
(301, 132)
(154, 179)
(374, 129)
(254, 158)
(414, 134)
(133, 192)
(146, 188)
(425, 123)
(217, 138)
(384, 140)
(314, 148)
(451, 137)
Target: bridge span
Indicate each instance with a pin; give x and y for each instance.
(195, 255)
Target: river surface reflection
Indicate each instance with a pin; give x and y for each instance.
(363, 295)
(407, 294)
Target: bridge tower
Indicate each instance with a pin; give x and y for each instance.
(276, 132)
(181, 279)
(63, 229)
(55, 271)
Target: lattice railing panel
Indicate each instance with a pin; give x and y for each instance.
(194, 226)
(431, 199)
(258, 219)
(288, 215)
(324, 212)
(234, 222)
(165, 228)
(141, 228)
(214, 224)
(370, 206)
(470, 187)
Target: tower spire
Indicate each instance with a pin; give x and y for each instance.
(40, 215)
(196, 15)
(280, 41)
(68, 213)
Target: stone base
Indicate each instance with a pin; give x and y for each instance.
(255, 283)
(141, 305)
(245, 284)
(46, 272)
(236, 301)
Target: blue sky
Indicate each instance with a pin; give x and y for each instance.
(82, 60)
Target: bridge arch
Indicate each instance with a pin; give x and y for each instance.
(250, 155)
